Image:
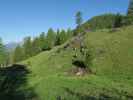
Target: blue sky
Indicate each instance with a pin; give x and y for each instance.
(20, 18)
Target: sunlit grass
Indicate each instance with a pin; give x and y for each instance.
(112, 61)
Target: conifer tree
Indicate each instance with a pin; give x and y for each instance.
(63, 37)
(69, 33)
(79, 21)
(42, 40)
(78, 18)
(57, 42)
(3, 54)
(118, 20)
(50, 38)
(18, 54)
(28, 51)
(130, 8)
(36, 46)
(129, 18)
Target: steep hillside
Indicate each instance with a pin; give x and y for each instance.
(100, 22)
(112, 61)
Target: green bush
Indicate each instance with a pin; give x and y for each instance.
(82, 57)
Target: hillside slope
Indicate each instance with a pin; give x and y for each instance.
(112, 53)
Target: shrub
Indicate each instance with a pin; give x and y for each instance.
(82, 58)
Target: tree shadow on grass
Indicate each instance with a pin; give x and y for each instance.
(101, 96)
(13, 81)
(79, 95)
(82, 96)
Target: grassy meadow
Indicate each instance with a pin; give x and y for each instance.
(112, 62)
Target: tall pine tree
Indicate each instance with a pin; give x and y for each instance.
(118, 20)
(28, 51)
(42, 40)
(51, 37)
(3, 55)
(78, 18)
(79, 21)
(130, 8)
(63, 37)
(57, 42)
(18, 54)
(36, 46)
(69, 33)
(129, 18)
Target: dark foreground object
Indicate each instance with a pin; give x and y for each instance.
(13, 83)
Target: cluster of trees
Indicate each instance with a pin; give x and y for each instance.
(129, 17)
(101, 21)
(106, 21)
(32, 47)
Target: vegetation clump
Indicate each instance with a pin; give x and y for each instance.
(81, 60)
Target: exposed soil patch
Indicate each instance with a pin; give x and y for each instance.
(78, 71)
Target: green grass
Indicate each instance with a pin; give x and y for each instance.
(112, 54)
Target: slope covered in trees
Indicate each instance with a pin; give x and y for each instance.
(32, 47)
